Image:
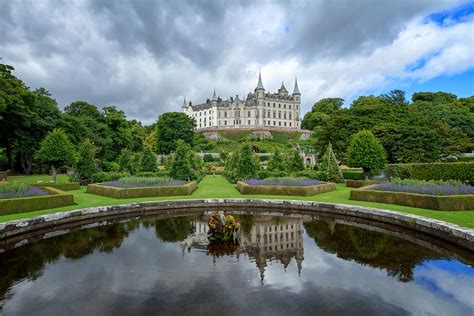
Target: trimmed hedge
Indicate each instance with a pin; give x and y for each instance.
(462, 171)
(67, 186)
(360, 183)
(148, 174)
(353, 175)
(57, 198)
(125, 193)
(245, 188)
(108, 176)
(433, 202)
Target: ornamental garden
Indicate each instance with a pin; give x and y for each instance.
(380, 152)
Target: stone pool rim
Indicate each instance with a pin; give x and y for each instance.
(460, 236)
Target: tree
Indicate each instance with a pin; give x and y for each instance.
(171, 127)
(56, 150)
(148, 160)
(366, 152)
(129, 161)
(295, 162)
(85, 166)
(248, 163)
(276, 162)
(329, 167)
(396, 98)
(184, 164)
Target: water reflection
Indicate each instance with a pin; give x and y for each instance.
(282, 265)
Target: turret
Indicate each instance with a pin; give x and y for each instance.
(260, 84)
(184, 106)
(260, 97)
(296, 91)
(282, 90)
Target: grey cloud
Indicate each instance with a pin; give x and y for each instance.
(144, 56)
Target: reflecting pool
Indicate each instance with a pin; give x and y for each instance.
(284, 265)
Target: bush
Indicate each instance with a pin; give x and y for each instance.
(311, 174)
(128, 161)
(208, 158)
(108, 176)
(462, 171)
(160, 173)
(329, 167)
(85, 166)
(148, 161)
(110, 166)
(264, 174)
(276, 162)
(185, 164)
(353, 175)
(366, 152)
(295, 162)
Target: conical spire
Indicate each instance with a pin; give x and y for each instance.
(296, 90)
(184, 103)
(260, 84)
(214, 97)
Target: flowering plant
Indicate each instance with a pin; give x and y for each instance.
(287, 181)
(425, 187)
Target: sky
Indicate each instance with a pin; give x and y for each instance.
(146, 56)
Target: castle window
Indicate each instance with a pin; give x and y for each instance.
(248, 122)
(273, 104)
(279, 105)
(284, 106)
(237, 114)
(279, 114)
(289, 106)
(284, 115)
(269, 114)
(290, 124)
(274, 123)
(285, 123)
(274, 114)
(279, 123)
(225, 115)
(225, 122)
(289, 116)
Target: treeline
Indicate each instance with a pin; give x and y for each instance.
(27, 116)
(432, 127)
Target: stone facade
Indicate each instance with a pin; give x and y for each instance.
(259, 109)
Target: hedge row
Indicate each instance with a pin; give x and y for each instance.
(360, 183)
(57, 198)
(148, 174)
(125, 193)
(67, 186)
(108, 176)
(353, 175)
(462, 171)
(245, 188)
(433, 202)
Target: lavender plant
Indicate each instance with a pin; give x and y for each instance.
(13, 190)
(287, 181)
(132, 182)
(450, 187)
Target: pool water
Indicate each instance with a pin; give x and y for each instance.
(283, 266)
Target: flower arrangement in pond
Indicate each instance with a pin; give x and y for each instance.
(425, 187)
(286, 181)
(134, 182)
(14, 190)
(223, 228)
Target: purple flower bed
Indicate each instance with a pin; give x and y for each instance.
(31, 191)
(302, 183)
(461, 189)
(120, 184)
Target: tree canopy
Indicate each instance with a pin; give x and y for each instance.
(171, 127)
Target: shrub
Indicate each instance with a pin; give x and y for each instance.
(108, 176)
(264, 174)
(462, 171)
(431, 187)
(311, 174)
(353, 175)
(245, 188)
(85, 166)
(295, 162)
(366, 152)
(148, 160)
(185, 164)
(223, 155)
(159, 173)
(124, 193)
(329, 168)
(110, 166)
(128, 161)
(208, 158)
(248, 163)
(276, 162)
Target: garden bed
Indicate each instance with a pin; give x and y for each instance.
(304, 187)
(51, 198)
(142, 191)
(360, 183)
(418, 197)
(66, 186)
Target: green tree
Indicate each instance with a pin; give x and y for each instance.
(329, 167)
(129, 162)
(184, 163)
(171, 127)
(148, 160)
(276, 162)
(85, 166)
(295, 162)
(366, 152)
(248, 163)
(56, 150)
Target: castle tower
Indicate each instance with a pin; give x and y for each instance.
(184, 106)
(296, 92)
(260, 96)
(297, 101)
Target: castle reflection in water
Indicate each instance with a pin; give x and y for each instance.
(269, 239)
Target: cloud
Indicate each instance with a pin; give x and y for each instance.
(145, 56)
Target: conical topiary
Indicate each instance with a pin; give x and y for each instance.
(329, 167)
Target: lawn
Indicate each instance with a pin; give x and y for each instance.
(219, 187)
(37, 179)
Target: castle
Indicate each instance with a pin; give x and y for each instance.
(259, 110)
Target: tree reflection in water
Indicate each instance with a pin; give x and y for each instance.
(398, 257)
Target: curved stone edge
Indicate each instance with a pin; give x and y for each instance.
(462, 236)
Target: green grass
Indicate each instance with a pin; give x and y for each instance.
(36, 178)
(284, 138)
(219, 187)
(235, 136)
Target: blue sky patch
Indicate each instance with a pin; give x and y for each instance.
(453, 15)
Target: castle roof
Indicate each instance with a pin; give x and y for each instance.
(296, 90)
(260, 84)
